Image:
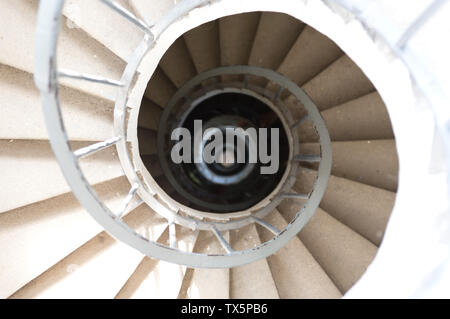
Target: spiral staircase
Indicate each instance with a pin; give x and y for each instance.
(52, 248)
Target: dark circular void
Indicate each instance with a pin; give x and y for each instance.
(249, 186)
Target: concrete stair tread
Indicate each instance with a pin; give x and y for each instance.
(296, 273)
(177, 63)
(273, 27)
(363, 208)
(151, 162)
(160, 89)
(114, 31)
(156, 279)
(203, 46)
(364, 118)
(252, 281)
(86, 117)
(151, 14)
(342, 253)
(372, 162)
(76, 50)
(32, 173)
(199, 285)
(340, 82)
(235, 44)
(35, 227)
(150, 145)
(82, 274)
(311, 53)
(149, 115)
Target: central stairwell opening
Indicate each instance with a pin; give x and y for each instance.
(343, 235)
